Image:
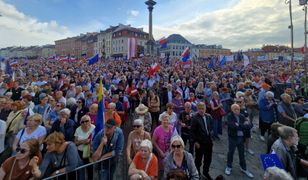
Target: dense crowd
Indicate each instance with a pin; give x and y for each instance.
(49, 117)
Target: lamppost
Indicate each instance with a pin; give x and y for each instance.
(150, 4)
(292, 42)
(304, 3)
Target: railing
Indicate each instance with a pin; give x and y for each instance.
(82, 172)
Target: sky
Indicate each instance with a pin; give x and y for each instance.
(234, 24)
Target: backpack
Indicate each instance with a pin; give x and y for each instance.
(301, 125)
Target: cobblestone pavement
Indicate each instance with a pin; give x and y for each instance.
(253, 162)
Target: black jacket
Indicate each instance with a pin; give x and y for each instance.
(198, 131)
(233, 128)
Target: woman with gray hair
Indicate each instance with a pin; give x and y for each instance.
(178, 158)
(268, 113)
(64, 125)
(144, 164)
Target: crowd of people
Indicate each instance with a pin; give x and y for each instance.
(48, 118)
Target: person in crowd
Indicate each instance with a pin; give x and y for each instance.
(5, 107)
(61, 157)
(79, 93)
(268, 109)
(274, 172)
(16, 91)
(285, 148)
(178, 158)
(154, 108)
(161, 140)
(142, 112)
(144, 164)
(178, 102)
(273, 136)
(251, 104)
(237, 123)
(217, 112)
(265, 87)
(44, 107)
(111, 113)
(201, 128)
(119, 104)
(64, 125)
(108, 143)
(93, 112)
(134, 139)
(24, 165)
(33, 130)
(225, 98)
(173, 117)
(299, 106)
(83, 137)
(81, 110)
(60, 97)
(287, 114)
(53, 114)
(27, 99)
(185, 121)
(14, 122)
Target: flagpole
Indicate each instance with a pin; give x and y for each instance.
(305, 52)
(292, 43)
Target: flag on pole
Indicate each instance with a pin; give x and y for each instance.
(246, 60)
(101, 109)
(211, 65)
(153, 69)
(132, 48)
(222, 61)
(185, 55)
(163, 43)
(93, 60)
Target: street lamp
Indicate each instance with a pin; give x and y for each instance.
(304, 3)
(292, 42)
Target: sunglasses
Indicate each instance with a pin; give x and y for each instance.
(82, 122)
(21, 150)
(79, 102)
(176, 146)
(136, 126)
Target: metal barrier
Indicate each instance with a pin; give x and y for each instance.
(82, 172)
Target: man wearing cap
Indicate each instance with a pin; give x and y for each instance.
(108, 143)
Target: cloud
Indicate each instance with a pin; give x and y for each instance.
(134, 13)
(22, 30)
(245, 24)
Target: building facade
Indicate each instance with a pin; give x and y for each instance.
(120, 38)
(213, 50)
(176, 44)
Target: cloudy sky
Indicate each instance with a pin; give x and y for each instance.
(236, 24)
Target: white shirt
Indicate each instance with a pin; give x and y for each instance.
(80, 135)
(36, 134)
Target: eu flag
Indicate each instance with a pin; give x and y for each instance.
(100, 111)
(270, 160)
(222, 61)
(93, 60)
(211, 65)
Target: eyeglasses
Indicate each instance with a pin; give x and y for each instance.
(176, 146)
(136, 126)
(21, 150)
(82, 122)
(79, 102)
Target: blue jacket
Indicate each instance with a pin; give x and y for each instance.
(116, 144)
(267, 112)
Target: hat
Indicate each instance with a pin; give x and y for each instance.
(42, 96)
(146, 143)
(110, 123)
(141, 109)
(138, 122)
